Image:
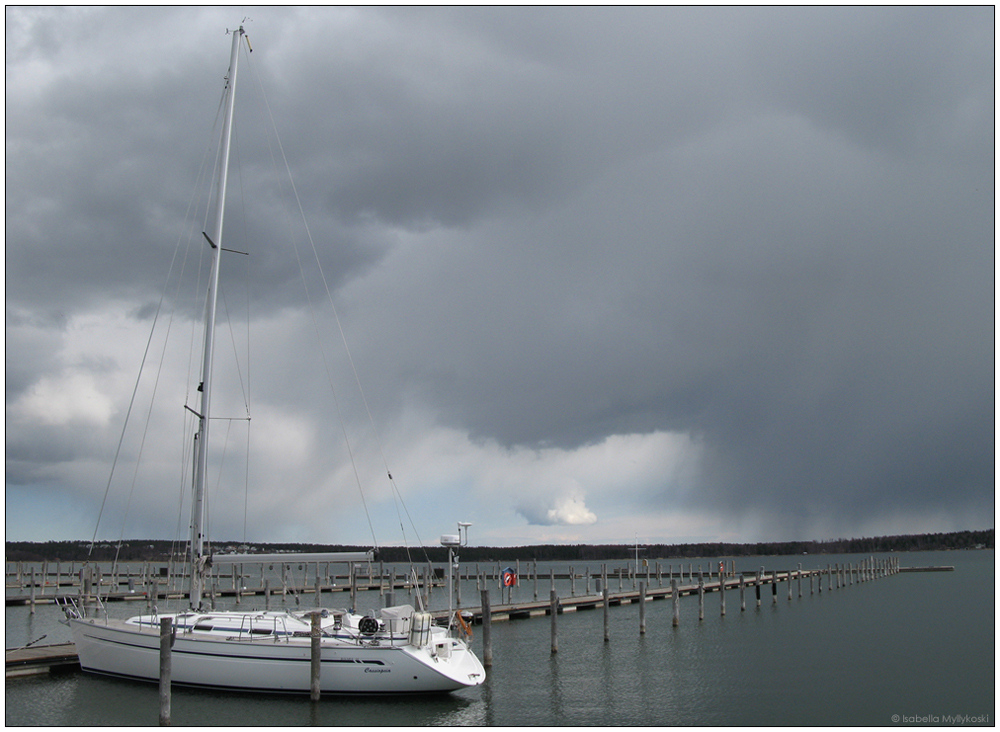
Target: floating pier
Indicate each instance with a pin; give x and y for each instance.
(54, 658)
(35, 660)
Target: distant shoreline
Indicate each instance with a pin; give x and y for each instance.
(134, 550)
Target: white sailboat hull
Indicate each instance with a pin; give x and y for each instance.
(120, 648)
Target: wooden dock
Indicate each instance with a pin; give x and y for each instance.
(35, 660)
(61, 657)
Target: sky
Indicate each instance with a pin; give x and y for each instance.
(606, 275)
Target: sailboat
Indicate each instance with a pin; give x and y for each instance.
(393, 650)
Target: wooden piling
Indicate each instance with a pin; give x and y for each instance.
(642, 607)
(487, 621)
(554, 612)
(722, 592)
(166, 636)
(607, 616)
(701, 598)
(315, 656)
(743, 599)
(676, 598)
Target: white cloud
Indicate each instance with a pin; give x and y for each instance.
(70, 397)
(570, 511)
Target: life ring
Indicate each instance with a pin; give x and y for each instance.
(509, 578)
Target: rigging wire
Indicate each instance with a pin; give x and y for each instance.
(395, 491)
(135, 389)
(323, 353)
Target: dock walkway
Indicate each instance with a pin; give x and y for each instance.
(59, 657)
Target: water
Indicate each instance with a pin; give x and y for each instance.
(919, 646)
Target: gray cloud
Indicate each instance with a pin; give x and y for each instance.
(768, 229)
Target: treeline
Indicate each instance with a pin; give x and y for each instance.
(159, 550)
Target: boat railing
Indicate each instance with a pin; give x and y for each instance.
(249, 631)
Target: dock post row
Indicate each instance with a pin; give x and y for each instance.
(140, 583)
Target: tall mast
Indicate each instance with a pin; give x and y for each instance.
(215, 240)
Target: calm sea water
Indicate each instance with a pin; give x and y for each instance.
(914, 648)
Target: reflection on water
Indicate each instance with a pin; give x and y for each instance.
(909, 644)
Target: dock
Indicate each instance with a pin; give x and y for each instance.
(62, 657)
(35, 660)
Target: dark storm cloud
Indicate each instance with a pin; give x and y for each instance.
(768, 229)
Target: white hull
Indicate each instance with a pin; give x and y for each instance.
(363, 665)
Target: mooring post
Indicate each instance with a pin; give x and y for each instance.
(675, 597)
(166, 636)
(774, 586)
(722, 591)
(84, 585)
(572, 581)
(607, 621)
(743, 599)
(829, 577)
(701, 596)
(428, 584)
(487, 622)
(760, 574)
(800, 579)
(315, 651)
(789, 584)
(554, 612)
(642, 607)
(32, 600)
(536, 578)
